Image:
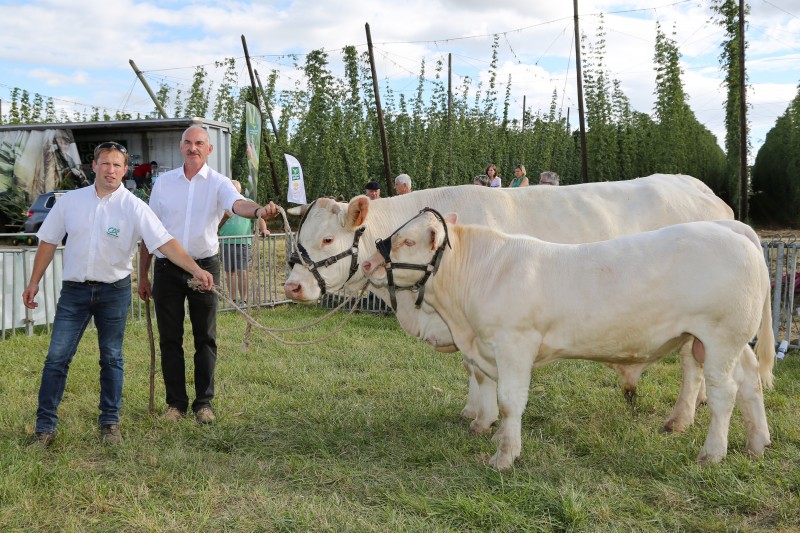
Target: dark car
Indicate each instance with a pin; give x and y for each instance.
(39, 209)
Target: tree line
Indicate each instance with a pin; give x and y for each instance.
(329, 122)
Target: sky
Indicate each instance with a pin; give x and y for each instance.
(78, 52)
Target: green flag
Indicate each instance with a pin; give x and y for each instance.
(253, 135)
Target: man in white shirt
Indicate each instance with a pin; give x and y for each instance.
(190, 201)
(104, 222)
(402, 184)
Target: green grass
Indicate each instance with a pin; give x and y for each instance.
(362, 433)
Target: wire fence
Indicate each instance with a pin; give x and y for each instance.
(253, 270)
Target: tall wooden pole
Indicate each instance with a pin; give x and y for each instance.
(148, 89)
(258, 105)
(522, 136)
(581, 120)
(384, 144)
(450, 116)
(250, 72)
(743, 174)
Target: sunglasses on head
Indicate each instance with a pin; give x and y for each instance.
(112, 144)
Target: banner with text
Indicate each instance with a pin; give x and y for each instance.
(253, 136)
(297, 188)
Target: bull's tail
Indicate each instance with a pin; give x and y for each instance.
(765, 345)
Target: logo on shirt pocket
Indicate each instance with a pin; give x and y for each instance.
(112, 231)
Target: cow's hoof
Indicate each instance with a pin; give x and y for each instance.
(501, 461)
(756, 447)
(469, 413)
(630, 395)
(476, 428)
(674, 426)
(705, 458)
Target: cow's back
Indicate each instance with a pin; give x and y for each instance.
(566, 214)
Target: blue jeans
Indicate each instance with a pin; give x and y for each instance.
(108, 303)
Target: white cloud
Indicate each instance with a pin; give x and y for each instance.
(55, 79)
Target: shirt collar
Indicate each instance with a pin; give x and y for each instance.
(120, 190)
(203, 172)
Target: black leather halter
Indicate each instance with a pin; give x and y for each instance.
(385, 248)
(304, 259)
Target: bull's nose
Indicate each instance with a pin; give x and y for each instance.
(292, 289)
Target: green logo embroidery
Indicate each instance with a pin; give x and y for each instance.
(113, 232)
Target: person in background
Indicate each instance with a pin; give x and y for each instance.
(548, 178)
(236, 252)
(494, 179)
(402, 184)
(104, 223)
(482, 180)
(143, 174)
(190, 201)
(373, 190)
(520, 179)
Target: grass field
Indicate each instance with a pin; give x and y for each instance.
(362, 433)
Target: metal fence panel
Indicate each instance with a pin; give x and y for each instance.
(266, 272)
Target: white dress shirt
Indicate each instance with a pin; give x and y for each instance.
(103, 233)
(191, 209)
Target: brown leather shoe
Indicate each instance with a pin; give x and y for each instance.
(110, 434)
(173, 414)
(205, 415)
(43, 438)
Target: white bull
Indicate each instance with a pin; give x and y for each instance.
(571, 214)
(517, 302)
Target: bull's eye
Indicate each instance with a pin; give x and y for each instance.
(327, 241)
(408, 242)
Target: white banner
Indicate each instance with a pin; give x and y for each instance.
(297, 188)
(15, 266)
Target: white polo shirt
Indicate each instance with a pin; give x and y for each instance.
(191, 209)
(103, 233)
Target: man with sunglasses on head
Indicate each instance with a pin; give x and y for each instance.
(104, 222)
(190, 201)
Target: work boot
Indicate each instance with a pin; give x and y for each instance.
(43, 439)
(205, 415)
(109, 434)
(173, 414)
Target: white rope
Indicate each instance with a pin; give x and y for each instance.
(251, 322)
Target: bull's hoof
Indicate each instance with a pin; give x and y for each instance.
(756, 447)
(501, 461)
(704, 458)
(667, 427)
(476, 428)
(469, 413)
(630, 395)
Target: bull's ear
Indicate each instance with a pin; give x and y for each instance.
(435, 236)
(451, 218)
(298, 211)
(357, 212)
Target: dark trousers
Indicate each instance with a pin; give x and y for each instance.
(170, 291)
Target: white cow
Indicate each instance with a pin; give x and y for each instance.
(570, 214)
(520, 303)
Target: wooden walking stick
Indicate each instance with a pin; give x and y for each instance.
(150, 406)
